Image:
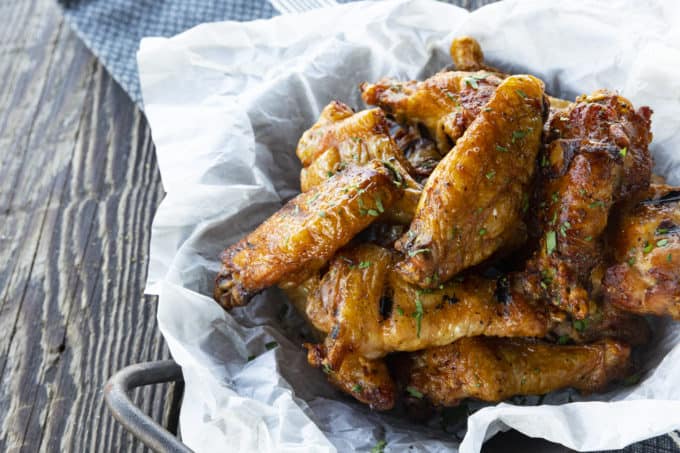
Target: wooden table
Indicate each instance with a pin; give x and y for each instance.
(79, 187)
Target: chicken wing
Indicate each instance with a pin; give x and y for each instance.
(645, 277)
(493, 369)
(473, 201)
(368, 381)
(420, 151)
(445, 104)
(376, 312)
(305, 233)
(597, 157)
(341, 138)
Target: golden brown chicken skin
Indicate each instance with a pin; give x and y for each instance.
(597, 156)
(474, 200)
(645, 243)
(301, 237)
(341, 138)
(376, 312)
(445, 104)
(368, 381)
(494, 369)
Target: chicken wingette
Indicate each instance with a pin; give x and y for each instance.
(597, 156)
(342, 137)
(645, 276)
(445, 104)
(303, 235)
(372, 311)
(474, 199)
(494, 369)
(369, 381)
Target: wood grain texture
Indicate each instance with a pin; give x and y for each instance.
(78, 188)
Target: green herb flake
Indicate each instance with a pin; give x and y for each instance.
(521, 93)
(631, 260)
(669, 257)
(648, 247)
(400, 311)
(271, 345)
(544, 160)
(471, 81)
(418, 251)
(379, 205)
(588, 238)
(550, 242)
(364, 264)
(554, 197)
(488, 109)
(379, 447)
(357, 388)
(418, 314)
(596, 204)
(525, 203)
(373, 213)
(516, 135)
(329, 173)
(251, 358)
(502, 149)
(327, 368)
(414, 392)
(490, 175)
(661, 242)
(661, 230)
(563, 339)
(482, 231)
(322, 214)
(579, 325)
(623, 151)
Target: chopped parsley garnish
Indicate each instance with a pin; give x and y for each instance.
(525, 203)
(669, 257)
(418, 251)
(521, 93)
(327, 368)
(379, 205)
(414, 392)
(502, 149)
(400, 311)
(563, 339)
(623, 151)
(550, 242)
(357, 388)
(588, 238)
(379, 447)
(564, 228)
(661, 242)
(516, 135)
(555, 196)
(471, 81)
(631, 260)
(490, 175)
(598, 203)
(544, 160)
(579, 324)
(322, 213)
(364, 264)
(488, 109)
(271, 345)
(373, 213)
(482, 231)
(251, 358)
(418, 314)
(661, 230)
(648, 247)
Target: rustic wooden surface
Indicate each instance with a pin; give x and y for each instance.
(78, 188)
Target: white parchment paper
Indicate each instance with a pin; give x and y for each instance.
(227, 103)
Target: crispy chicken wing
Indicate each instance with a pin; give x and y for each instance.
(445, 104)
(472, 203)
(305, 233)
(493, 369)
(645, 277)
(376, 312)
(597, 157)
(368, 381)
(341, 138)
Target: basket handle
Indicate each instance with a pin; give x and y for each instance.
(130, 416)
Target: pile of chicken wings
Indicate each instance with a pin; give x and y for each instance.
(470, 237)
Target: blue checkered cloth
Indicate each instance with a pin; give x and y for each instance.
(112, 29)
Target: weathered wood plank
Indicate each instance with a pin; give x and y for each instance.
(78, 189)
